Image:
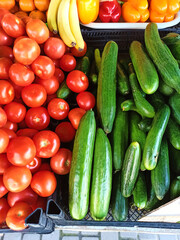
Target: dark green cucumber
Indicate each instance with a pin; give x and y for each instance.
(160, 176)
(175, 188)
(97, 57)
(144, 68)
(156, 99)
(122, 80)
(119, 137)
(119, 204)
(80, 173)
(165, 89)
(106, 92)
(129, 105)
(175, 49)
(84, 65)
(162, 57)
(174, 159)
(171, 38)
(154, 137)
(124, 61)
(144, 107)
(130, 169)
(152, 201)
(63, 91)
(174, 102)
(140, 192)
(145, 124)
(93, 76)
(90, 53)
(173, 133)
(101, 177)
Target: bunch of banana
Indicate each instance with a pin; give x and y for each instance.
(63, 17)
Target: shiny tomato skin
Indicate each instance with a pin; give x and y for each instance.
(75, 116)
(67, 63)
(4, 208)
(61, 161)
(5, 64)
(21, 75)
(59, 74)
(4, 140)
(16, 179)
(34, 165)
(13, 25)
(3, 117)
(19, 38)
(17, 214)
(26, 50)
(47, 143)
(51, 84)
(3, 189)
(40, 203)
(54, 48)
(58, 108)
(6, 51)
(77, 81)
(15, 112)
(3, 11)
(37, 118)
(43, 67)
(44, 183)
(10, 133)
(21, 151)
(65, 131)
(11, 126)
(5, 39)
(27, 132)
(86, 100)
(6, 92)
(4, 163)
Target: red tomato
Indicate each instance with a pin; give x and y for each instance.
(21, 75)
(21, 151)
(37, 30)
(56, 62)
(44, 183)
(27, 132)
(13, 25)
(67, 63)
(37, 118)
(6, 52)
(40, 203)
(15, 112)
(75, 116)
(22, 124)
(4, 140)
(5, 39)
(59, 74)
(4, 208)
(43, 67)
(3, 117)
(26, 51)
(47, 143)
(3, 11)
(27, 195)
(45, 166)
(34, 165)
(6, 92)
(5, 64)
(86, 100)
(19, 38)
(49, 98)
(54, 48)
(10, 133)
(58, 108)
(77, 81)
(3, 189)
(61, 161)
(34, 95)
(51, 84)
(11, 126)
(4, 163)
(65, 131)
(17, 214)
(17, 90)
(16, 179)
(78, 53)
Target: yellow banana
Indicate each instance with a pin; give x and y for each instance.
(52, 15)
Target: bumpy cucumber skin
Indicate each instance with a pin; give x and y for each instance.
(165, 89)
(174, 102)
(144, 68)
(80, 173)
(85, 65)
(175, 188)
(101, 177)
(106, 92)
(122, 80)
(173, 133)
(154, 137)
(130, 169)
(145, 124)
(171, 38)
(140, 191)
(160, 176)
(156, 99)
(119, 204)
(63, 91)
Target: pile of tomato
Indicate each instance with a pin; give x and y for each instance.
(33, 64)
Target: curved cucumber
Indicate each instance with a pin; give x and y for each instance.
(140, 192)
(175, 188)
(63, 91)
(174, 102)
(173, 133)
(129, 105)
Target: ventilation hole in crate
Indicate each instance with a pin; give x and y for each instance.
(34, 217)
(53, 208)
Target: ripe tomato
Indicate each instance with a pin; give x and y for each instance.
(26, 50)
(4, 208)
(21, 14)
(3, 11)
(16, 179)
(4, 140)
(44, 183)
(36, 14)
(61, 161)
(21, 75)
(22, 124)
(40, 203)
(11, 125)
(7, 4)
(75, 116)
(56, 62)
(5, 64)
(5, 39)
(54, 48)
(45, 166)
(3, 189)
(15, 112)
(26, 5)
(59, 74)
(37, 30)
(34, 165)
(11, 133)
(77, 81)
(47, 143)
(3, 117)
(6, 52)
(19, 38)
(37, 118)
(58, 108)
(27, 132)
(51, 84)
(6, 92)
(78, 53)
(67, 63)
(65, 131)
(4, 163)
(27, 195)
(86, 100)
(41, 5)
(17, 214)
(13, 25)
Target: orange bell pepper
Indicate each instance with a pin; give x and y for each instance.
(135, 11)
(164, 10)
(88, 10)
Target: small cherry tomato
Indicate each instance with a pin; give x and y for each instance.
(59, 74)
(40, 203)
(4, 163)
(5, 39)
(67, 63)
(4, 208)
(27, 132)
(34, 165)
(86, 100)
(77, 81)
(10, 133)
(45, 166)
(78, 53)
(51, 84)
(75, 116)
(4, 140)
(3, 117)
(6, 52)
(15, 112)
(3, 189)
(11, 126)
(5, 64)
(54, 48)
(61, 161)
(58, 108)
(65, 131)
(6, 92)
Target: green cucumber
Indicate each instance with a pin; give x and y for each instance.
(119, 204)
(122, 80)
(174, 102)
(160, 176)
(140, 192)
(156, 99)
(84, 65)
(152, 201)
(93, 76)
(165, 89)
(80, 173)
(124, 61)
(130, 169)
(154, 137)
(173, 133)
(162, 57)
(101, 177)
(63, 91)
(145, 124)
(171, 38)
(106, 92)
(97, 57)
(174, 159)
(175, 49)
(144, 68)
(175, 188)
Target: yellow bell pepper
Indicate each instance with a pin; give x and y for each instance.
(88, 10)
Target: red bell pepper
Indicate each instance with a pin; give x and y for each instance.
(109, 11)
